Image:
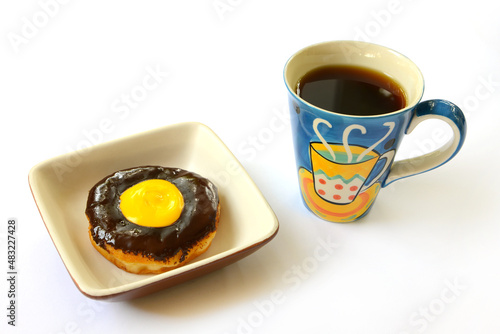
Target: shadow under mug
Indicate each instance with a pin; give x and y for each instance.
(332, 186)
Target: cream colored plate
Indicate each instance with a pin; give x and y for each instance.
(60, 188)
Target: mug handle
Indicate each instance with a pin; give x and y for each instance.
(432, 109)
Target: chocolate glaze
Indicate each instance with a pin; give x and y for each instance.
(109, 226)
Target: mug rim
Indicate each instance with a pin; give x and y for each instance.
(409, 105)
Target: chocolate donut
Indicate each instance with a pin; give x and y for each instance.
(185, 227)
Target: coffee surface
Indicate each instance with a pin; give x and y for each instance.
(351, 90)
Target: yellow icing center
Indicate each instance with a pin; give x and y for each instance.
(152, 203)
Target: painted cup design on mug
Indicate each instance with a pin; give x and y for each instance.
(340, 181)
(341, 171)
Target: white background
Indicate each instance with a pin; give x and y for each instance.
(426, 258)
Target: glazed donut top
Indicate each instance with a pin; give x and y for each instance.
(108, 224)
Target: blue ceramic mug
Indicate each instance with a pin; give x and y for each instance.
(343, 160)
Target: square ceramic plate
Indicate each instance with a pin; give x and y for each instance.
(60, 188)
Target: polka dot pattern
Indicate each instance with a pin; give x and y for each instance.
(337, 190)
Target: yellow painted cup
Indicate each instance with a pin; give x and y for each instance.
(340, 179)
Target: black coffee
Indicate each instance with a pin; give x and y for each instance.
(351, 90)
